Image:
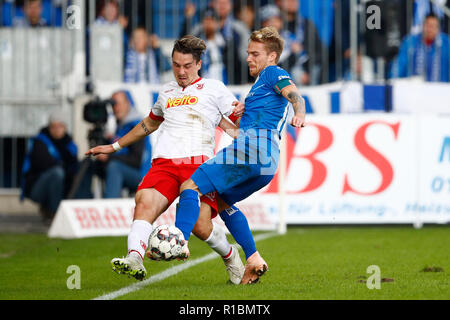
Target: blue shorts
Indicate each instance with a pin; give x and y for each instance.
(239, 170)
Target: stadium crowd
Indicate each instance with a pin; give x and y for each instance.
(317, 33)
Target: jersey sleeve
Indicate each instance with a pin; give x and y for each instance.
(277, 78)
(225, 99)
(156, 112)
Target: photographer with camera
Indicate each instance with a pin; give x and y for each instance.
(122, 169)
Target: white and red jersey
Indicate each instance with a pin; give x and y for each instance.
(190, 116)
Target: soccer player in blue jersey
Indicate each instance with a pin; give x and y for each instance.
(250, 162)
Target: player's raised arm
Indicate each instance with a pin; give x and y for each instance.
(141, 130)
(231, 124)
(293, 95)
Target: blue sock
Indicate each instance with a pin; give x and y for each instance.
(237, 223)
(187, 212)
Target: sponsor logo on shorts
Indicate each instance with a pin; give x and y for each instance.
(186, 100)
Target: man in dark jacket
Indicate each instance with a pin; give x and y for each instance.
(49, 166)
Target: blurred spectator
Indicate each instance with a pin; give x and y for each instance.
(49, 167)
(12, 13)
(234, 34)
(244, 12)
(365, 69)
(32, 15)
(236, 39)
(426, 54)
(144, 59)
(290, 10)
(213, 60)
(189, 15)
(124, 168)
(305, 33)
(293, 55)
(109, 13)
(422, 8)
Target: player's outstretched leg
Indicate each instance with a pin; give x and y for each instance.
(150, 203)
(133, 264)
(237, 223)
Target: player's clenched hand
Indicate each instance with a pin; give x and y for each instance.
(239, 108)
(104, 149)
(298, 120)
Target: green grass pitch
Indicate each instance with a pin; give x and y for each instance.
(317, 263)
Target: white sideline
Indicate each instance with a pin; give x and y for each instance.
(170, 272)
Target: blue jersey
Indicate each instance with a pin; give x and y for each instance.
(250, 162)
(265, 107)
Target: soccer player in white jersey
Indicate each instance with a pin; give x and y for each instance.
(186, 113)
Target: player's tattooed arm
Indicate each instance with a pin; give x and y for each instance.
(291, 93)
(298, 103)
(141, 130)
(147, 132)
(149, 125)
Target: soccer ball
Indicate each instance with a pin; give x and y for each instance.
(166, 242)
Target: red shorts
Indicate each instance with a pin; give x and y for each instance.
(167, 175)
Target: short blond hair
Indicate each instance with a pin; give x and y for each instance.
(271, 39)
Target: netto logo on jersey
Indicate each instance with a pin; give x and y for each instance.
(186, 100)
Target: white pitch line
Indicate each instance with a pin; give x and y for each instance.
(170, 272)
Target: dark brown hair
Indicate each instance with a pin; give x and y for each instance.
(190, 44)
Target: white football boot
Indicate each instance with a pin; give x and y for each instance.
(185, 253)
(132, 265)
(234, 266)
